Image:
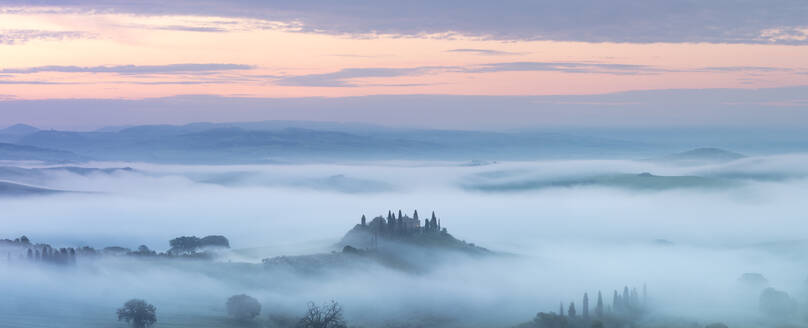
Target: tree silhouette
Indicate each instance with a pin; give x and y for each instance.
(391, 223)
(586, 306)
(243, 307)
(616, 304)
(138, 313)
(184, 244)
(599, 306)
(777, 304)
(571, 311)
(214, 241)
(328, 315)
(626, 298)
(644, 294)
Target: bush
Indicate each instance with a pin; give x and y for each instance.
(243, 307)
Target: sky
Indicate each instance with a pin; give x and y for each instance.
(149, 51)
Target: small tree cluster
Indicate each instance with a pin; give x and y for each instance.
(401, 225)
(25, 250)
(626, 310)
(192, 244)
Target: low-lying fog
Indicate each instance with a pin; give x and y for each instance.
(687, 231)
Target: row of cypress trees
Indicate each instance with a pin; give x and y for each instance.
(628, 303)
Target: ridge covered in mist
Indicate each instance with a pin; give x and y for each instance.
(268, 142)
(290, 141)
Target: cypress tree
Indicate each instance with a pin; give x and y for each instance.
(571, 312)
(399, 214)
(586, 306)
(616, 304)
(644, 295)
(433, 223)
(415, 215)
(364, 223)
(626, 298)
(599, 306)
(391, 223)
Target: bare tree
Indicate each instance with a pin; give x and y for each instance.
(328, 315)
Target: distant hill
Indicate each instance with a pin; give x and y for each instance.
(14, 152)
(12, 133)
(282, 141)
(19, 129)
(703, 156)
(642, 181)
(362, 237)
(9, 189)
(42, 176)
(338, 183)
(396, 242)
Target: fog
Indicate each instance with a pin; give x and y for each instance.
(688, 242)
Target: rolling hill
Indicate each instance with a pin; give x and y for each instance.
(14, 152)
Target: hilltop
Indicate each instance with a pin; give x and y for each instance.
(285, 141)
(704, 155)
(399, 242)
(643, 181)
(18, 129)
(15, 189)
(393, 231)
(14, 152)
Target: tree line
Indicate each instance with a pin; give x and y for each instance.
(243, 308)
(21, 250)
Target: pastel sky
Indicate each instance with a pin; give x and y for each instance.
(108, 49)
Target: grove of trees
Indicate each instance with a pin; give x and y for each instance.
(191, 244)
